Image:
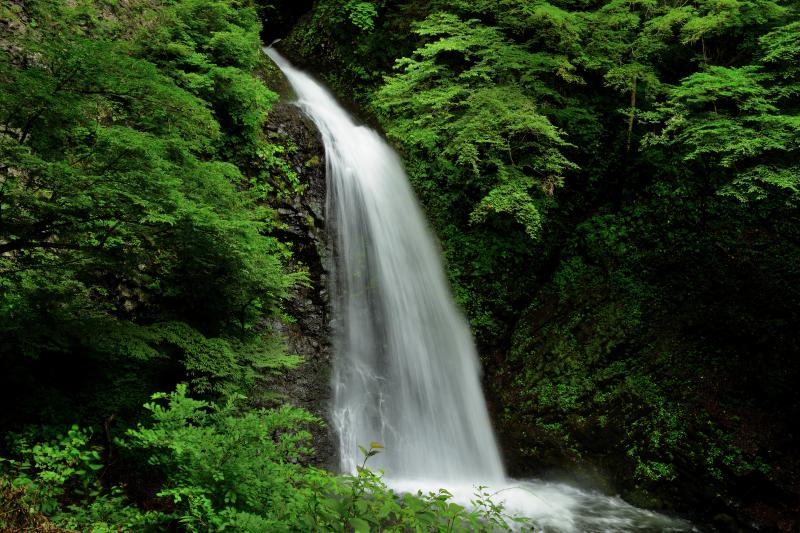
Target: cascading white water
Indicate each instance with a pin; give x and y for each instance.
(406, 371)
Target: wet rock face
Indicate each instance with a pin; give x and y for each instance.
(307, 386)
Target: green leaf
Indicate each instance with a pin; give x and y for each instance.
(359, 525)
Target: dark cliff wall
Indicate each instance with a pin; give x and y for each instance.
(308, 336)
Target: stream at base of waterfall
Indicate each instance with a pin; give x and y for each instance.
(406, 373)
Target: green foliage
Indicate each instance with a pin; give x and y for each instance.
(17, 513)
(207, 455)
(615, 183)
(736, 123)
(464, 117)
(61, 478)
(570, 373)
(133, 170)
(376, 30)
(232, 470)
(361, 14)
(47, 470)
(224, 467)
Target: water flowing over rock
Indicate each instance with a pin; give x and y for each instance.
(406, 372)
(405, 368)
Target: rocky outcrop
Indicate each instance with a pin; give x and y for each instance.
(302, 214)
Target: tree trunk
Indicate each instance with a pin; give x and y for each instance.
(631, 115)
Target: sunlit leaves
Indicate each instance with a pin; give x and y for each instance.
(119, 208)
(714, 18)
(361, 14)
(469, 95)
(730, 117)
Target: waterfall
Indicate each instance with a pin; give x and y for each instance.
(406, 372)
